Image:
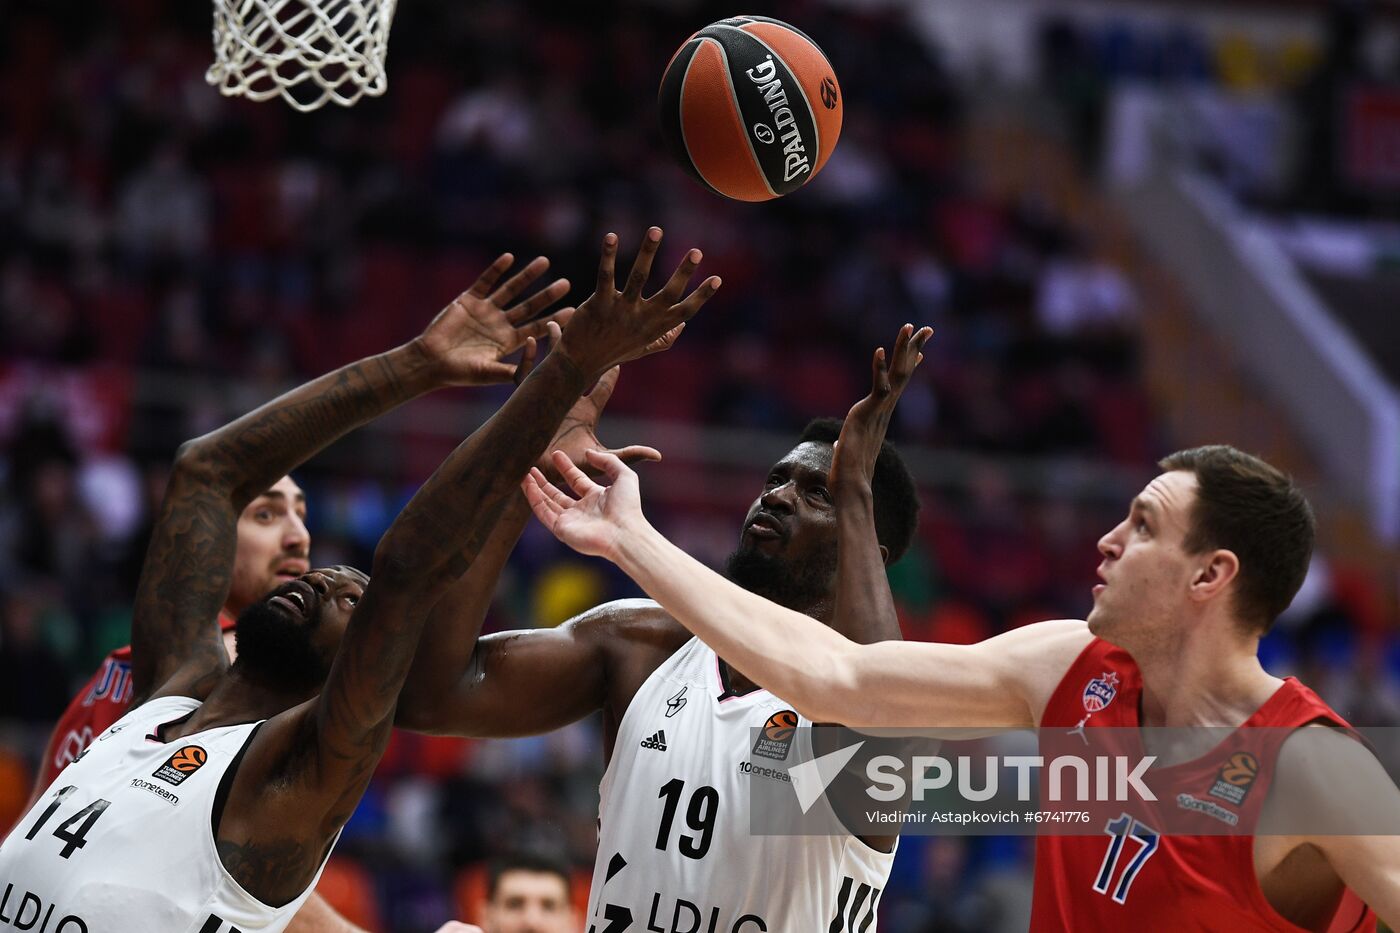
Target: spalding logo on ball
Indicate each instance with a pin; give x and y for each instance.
(750, 107)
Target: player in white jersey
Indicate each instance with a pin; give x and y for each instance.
(675, 851)
(213, 804)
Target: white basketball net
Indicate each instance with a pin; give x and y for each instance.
(308, 52)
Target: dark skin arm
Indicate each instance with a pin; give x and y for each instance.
(460, 685)
(533, 681)
(307, 768)
(864, 606)
(865, 610)
(185, 578)
(447, 690)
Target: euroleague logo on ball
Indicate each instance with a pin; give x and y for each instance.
(829, 96)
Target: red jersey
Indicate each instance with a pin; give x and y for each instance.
(1132, 877)
(102, 701)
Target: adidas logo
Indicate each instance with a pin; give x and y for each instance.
(657, 741)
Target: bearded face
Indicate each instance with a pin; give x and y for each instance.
(288, 639)
(792, 583)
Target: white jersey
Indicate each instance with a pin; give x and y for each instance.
(675, 851)
(123, 839)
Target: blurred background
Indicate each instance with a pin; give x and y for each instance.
(1134, 226)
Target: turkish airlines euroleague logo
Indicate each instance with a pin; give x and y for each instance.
(1235, 778)
(182, 764)
(775, 739)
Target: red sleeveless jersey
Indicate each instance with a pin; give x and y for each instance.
(103, 700)
(1130, 876)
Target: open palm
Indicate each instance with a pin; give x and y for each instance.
(469, 339)
(866, 423)
(595, 522)
(615, 326)
(577, 433)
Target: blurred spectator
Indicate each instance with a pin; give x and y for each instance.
(1079, 293)
(529, 894)
(34, 689)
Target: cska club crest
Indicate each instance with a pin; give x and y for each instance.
(1100, 691)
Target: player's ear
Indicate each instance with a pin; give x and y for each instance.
(884, 555)
(1217, 572)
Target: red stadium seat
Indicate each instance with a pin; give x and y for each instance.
(349, 888)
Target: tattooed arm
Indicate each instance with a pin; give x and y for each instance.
(307, 768)
(449, 690)
(185, 578)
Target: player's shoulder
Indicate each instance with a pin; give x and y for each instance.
(636, 623)
(1035, 658)
(1333, 776)
(626, 615)
(1321, 751)
(1054, 642)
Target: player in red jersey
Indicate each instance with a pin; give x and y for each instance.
(1211, 551)
(272, 549)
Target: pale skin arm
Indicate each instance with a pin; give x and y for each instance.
(1338, 783)
(1002, 682)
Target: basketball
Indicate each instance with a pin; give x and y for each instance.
(282, 307)
(751, 108)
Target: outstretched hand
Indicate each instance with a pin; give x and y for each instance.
(468, 341)
(577, 434)
(613, 327)
(595, 522)
(863, 431)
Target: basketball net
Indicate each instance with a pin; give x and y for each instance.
(308, 52)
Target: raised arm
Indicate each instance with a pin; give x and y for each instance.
(185, 578)
(1004, 681)
(514, 683)
(324, 751)
(865, 609)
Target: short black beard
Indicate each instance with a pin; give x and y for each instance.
(793, 585)
(277, 652)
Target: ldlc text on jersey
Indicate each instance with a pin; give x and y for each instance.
(27, 911)
(684, 917)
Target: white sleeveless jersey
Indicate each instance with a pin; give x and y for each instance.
(675, 851)
(123, 839)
